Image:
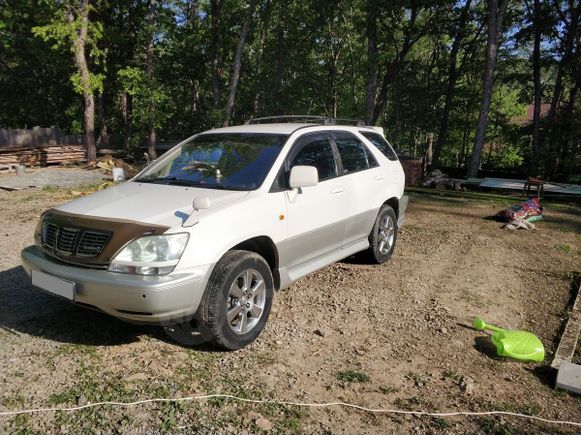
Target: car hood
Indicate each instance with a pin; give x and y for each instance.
(157, 204)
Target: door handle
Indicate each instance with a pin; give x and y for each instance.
(379, 178)
(336, 190)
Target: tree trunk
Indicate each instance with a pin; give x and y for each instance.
(89, 119)
(238, 63)
(567, 53)
(215, 9)
(280, 65)
(452, 78)
(127, 119)
(149, 59)
(537, 88)
(566, 128)
(191, 10)
(496, 9)
(85, 75)
(335, 43)
(372, 62)
(259, 58)
(392, 68)
(570, 152)
(103, 139)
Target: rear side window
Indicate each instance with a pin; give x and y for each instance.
(354, 155)
(320, 155)
(381, 144)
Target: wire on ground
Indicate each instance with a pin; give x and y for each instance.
(301, 404)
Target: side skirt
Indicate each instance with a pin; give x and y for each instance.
(288, 276)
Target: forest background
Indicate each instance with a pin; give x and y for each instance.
(475, 86)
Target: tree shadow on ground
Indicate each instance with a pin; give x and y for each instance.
(565, 223)
(27, 310)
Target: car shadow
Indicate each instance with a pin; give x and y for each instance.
(358, 258)
(27, 310)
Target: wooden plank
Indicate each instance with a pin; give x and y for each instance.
(568, 342)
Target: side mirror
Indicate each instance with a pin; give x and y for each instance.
(201, 203)
(303, 176)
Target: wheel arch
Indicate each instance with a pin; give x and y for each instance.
(393, 202)
(265, 247)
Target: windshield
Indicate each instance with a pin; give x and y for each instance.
(231, 161)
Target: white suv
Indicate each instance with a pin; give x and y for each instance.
(201, 238)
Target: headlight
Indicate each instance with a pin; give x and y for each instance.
(150, 255)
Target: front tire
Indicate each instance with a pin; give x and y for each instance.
(237, 300)
(383, 236)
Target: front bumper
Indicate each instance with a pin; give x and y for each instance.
(403, 205)
(140, 299)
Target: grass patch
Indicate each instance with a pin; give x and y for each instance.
(453, 374)
(410, 404)
(388, 389)
(519, 408)
(353, 376)
(21, 424)
(76, 349)
(494, 427)
(12, 402)
(91, 386)
(500, 199)
(439, 423)
(563, 248)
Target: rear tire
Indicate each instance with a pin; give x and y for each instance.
(383, 236)
(237, 300)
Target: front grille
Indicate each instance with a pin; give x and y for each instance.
(92, 243)
(66, 240)
(73, 241)
(49, 234)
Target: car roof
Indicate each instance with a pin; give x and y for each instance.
(274, 128)
(286, 128)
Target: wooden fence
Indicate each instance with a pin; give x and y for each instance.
(37, 137)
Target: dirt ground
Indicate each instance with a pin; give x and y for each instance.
(393, 336)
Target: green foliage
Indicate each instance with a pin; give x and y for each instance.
(350, 376)
(564, 248)
(63, 33)
(300, 57)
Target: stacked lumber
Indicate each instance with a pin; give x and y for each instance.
(41, 156)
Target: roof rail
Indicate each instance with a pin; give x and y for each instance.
(307, 119)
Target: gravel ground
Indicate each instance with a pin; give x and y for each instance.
(391, 336)
(55, 177)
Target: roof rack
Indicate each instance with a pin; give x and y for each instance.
(307, 119)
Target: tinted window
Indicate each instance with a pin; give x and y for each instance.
(320, 155)
(381, 144)
(353, 154)
(370, 158)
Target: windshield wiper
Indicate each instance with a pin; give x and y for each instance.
(167, 180)
(182, 182)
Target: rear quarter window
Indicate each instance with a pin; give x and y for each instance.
(355, 156)
(381, 143)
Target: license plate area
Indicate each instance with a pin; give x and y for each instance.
(53, 284)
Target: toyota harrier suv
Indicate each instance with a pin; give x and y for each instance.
(202, 237)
